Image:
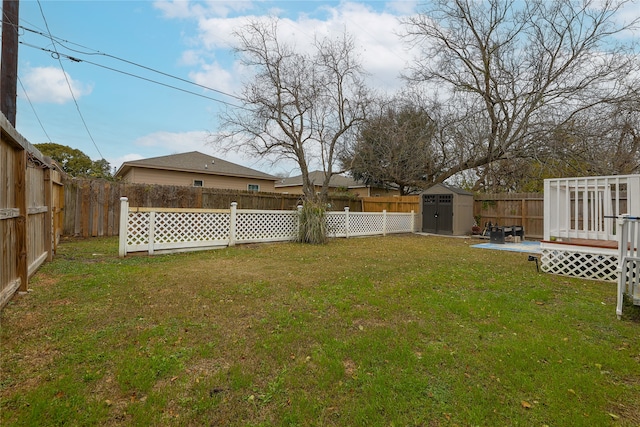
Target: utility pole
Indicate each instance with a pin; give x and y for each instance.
(9, 60)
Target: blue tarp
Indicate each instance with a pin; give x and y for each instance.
(526, 246)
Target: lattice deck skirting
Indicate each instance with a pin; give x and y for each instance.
(580, 261)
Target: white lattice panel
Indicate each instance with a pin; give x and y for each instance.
(172, 227)
(399, 223)
(336, 224)
(266, 226)
(576, 263)
(365, 224)
(137, 229)
(163, 230)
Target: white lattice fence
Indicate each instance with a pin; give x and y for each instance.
(206, 227)
(169, 230)
(336, 224)
(399, 224)
(366, 223)
(266, 226)
(152, 230)
(137, 231)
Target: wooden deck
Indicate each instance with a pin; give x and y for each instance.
(592, 243)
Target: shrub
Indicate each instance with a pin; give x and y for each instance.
(313, 224)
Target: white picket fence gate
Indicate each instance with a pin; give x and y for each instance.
(163, 230)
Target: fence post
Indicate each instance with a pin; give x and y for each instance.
(124, 220)
(413, 222)
(152, 231)
(384, 222)
(232, 224)
(299, 215)
(346, 221)
(622, 272)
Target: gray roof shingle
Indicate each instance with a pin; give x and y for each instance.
(195, 161)
(317, 177)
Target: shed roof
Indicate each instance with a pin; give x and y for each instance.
(317, 177)
(438, 188)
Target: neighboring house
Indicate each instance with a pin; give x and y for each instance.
(195, 169)
(337, 184)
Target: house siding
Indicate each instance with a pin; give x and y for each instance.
(165, 177)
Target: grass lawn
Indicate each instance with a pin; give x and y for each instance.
(389, 331)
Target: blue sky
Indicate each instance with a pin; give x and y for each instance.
(129, 118)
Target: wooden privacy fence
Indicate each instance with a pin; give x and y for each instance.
(154, 230)
(525, 209)
(93, 206)
(391, 204)
(31, 206)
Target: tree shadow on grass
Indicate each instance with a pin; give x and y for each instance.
(630, 312)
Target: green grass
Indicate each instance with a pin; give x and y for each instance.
(393, 331)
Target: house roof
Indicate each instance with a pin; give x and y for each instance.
(317, 177)
(197, 162)
(438, 187)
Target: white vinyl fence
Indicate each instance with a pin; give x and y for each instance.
(175, 230)
(628, 261)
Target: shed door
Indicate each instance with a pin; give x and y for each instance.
(445, 214)
(437, 213)
(430, 213)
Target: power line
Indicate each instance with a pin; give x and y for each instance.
(68, 83)
(97, 52)
(74, 59)
(34, 110)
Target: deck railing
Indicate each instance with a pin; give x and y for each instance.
(628, 261)
(154, 230)
(586, 208)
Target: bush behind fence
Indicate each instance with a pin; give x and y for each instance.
(92, 207)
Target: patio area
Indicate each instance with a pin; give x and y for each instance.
(532, 247)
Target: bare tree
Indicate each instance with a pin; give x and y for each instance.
(604, 140)
(299, 106)
(514, 71)
(395, 148)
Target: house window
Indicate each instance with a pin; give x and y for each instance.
(253, 187)
(198, 183)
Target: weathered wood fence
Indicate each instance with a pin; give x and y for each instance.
(92, 207)
(391, 204)
(30, 211)
(525, 209)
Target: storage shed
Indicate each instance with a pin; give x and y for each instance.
(446, 210)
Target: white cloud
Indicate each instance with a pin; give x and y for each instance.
(118, 161)
(215, 76)
(404, 7)
(184, 141)
(190, 58)
(165, 143)
(186, 9)
(383, 54)
(48, 84)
